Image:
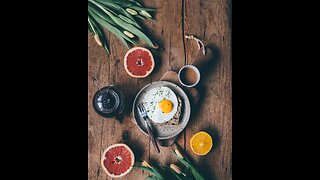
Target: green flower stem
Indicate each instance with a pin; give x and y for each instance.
(194, 171)
(151, 170)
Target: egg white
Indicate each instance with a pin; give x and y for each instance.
(151, 102)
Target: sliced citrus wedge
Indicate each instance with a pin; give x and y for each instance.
(201, 143)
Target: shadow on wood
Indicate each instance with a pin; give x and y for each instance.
(129, 97)
(209, 67)
(214, 133)
(206, 69)
(206, 161)
(157, 56)
(156, 40)
(134, 144)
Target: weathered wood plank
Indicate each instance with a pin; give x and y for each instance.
(168, 29)
(209, 21)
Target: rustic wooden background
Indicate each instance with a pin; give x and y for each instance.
(210, 20)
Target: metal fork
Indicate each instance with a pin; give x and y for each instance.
(143, 114)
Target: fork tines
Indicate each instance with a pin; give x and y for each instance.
(141, 109)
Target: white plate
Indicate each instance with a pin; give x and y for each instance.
(163, 131)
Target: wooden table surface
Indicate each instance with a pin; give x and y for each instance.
(210, 20)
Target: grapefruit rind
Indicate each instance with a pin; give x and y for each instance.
(104, 157)
(125, 62)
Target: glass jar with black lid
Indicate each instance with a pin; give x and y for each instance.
(109, 102)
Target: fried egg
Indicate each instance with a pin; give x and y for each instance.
(161, 104)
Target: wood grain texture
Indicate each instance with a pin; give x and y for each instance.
(210, 21)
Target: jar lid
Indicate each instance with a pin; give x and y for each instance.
(106, 100)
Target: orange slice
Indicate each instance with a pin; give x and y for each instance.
(201, 143)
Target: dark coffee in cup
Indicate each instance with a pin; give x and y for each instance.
(189, 75)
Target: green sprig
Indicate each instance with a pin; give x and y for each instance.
(115, 17)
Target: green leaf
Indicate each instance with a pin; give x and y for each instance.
(125, 5)
(157, 173)
(133, 22)
(112, 29)
(175, 174)
(127, 26)
(98, 31)
(182, 161)
(143, 8)
(112, 15)
(123, 2)
(140, 17)
(105, 17)
(89, 27)
(144, 168)
(151, 178)
(102, 15)
(152, 170)
(196, 174)
(119, 9)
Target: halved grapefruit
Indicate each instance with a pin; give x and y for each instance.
(117, 160)
(138, 62)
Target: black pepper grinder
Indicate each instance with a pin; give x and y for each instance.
(108, 101)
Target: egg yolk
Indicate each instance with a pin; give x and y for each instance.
(166, 106)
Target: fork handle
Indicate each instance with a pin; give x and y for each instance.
(153, 140)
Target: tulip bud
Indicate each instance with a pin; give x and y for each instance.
(155, 46)
(175, 168)
(131, 11)
(129, 34)
(145, 13)
(178, 153)
(144, 163)
(96, 37)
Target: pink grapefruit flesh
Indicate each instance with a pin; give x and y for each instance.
(117, 160)
(139, 62)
